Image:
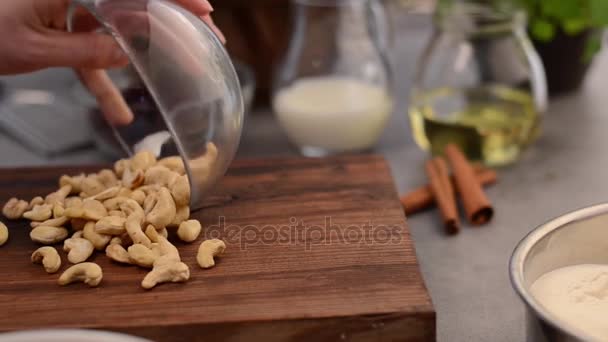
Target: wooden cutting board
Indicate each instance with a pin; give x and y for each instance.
(317, 249)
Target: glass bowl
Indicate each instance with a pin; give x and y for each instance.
(180, 85)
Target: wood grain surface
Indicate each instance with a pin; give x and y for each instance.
(317, 249)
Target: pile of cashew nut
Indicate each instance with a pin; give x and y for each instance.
(125, 212)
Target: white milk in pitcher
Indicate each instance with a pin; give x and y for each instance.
(333, 114)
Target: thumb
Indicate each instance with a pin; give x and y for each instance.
(84, 51)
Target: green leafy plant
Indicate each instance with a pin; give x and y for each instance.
(547, 17)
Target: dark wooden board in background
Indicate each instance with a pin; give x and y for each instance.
(358, 280)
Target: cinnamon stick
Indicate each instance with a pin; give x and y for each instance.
(476, 204)
(422, 198)
(441, 187)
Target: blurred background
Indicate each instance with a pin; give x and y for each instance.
(408, 54)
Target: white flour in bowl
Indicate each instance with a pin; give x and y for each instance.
(577, 295)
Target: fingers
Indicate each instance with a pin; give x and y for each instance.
(109, 98)
(209, 21)
(203, 9)
(83, 50)
(198, 7)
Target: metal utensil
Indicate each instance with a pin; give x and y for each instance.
(580, 237)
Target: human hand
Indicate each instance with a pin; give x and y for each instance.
(109, 98)
(36, 37)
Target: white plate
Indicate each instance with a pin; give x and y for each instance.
(68, 335)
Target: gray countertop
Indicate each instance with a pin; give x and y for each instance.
(466, 274)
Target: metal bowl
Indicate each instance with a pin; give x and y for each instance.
(580, 237)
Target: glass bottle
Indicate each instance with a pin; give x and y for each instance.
(480, 84)
(333, 92)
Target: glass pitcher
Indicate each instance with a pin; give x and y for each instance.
(333, 91)
(480, 84)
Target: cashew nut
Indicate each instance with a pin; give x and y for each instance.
(120, 166)
(124, 192)
(133, 227)
(91, 186)
(106, 194)
(138, 196)
(58, 210)
(116, 240)
(132, 178)
(175, 164)
(163, 232)
(116, 252)
(109, 210)
(117, 213)
(189, 231)
(35, 201)
(143, 160)
(90, 210)
(180, 190)
(203, 165)
(59, 196)
(114, 203)
(55, 222)
(111, 225)
(163, 211)
(86, 272)
(79, 249)
(149, 203)
(48, 257)
(167, 249)
(151, 233)
(209, 249)
(3, 233)
(211, 153)
(73, 201)
(47, 235)
(141, 255)
(14, 208)
(166, 270)
(40, 212)
(160, 175)
(74, 213)
(94, 210)
(156, 250)
(107, 178)
(132, 208)
(99, 241)
(149, 189)
(182, 214)
(74, 181)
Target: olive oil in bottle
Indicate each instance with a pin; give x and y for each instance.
(491, 124)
